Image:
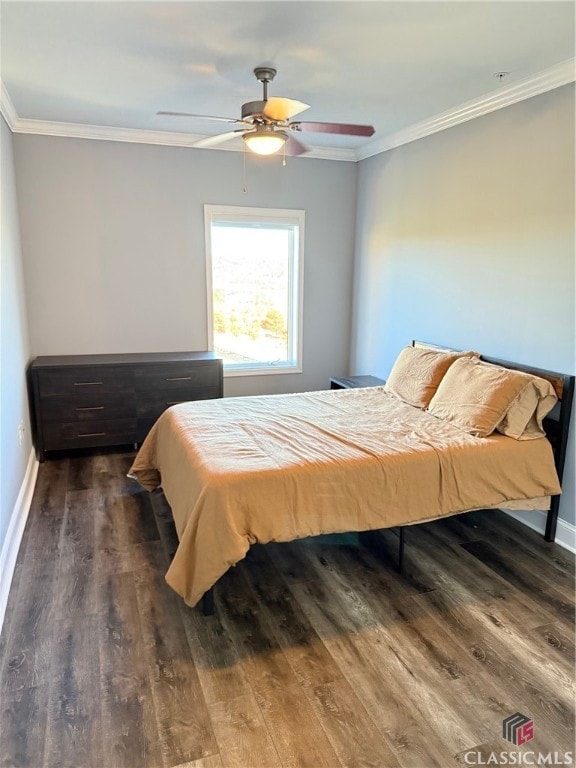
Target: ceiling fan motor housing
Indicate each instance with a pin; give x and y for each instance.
(252, 108)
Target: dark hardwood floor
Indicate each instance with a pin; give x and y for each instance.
(319, 653)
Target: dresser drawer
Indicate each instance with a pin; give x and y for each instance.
(150, 410)
(62, 436)
(83, 380)
(87, 407)
(176, 376)
(158, 400)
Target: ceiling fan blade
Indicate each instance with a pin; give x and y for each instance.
(278, 108)
(342, 128)
(201, 117)
(294, 147)
(213, 141)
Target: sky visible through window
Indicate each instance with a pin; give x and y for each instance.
(250, 290)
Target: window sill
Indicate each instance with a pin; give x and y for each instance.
(268, 370)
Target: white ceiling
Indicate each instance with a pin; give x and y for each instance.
(391, 64)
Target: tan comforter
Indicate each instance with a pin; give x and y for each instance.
(276, 468)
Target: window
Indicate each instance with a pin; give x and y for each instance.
(254, 275)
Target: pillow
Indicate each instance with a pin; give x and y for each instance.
(476, 396)
(523, 420)
(417, 372)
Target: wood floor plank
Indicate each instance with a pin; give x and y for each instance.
(122, 524)
(11, 607)
(261, 655)
(414, 743)
(511, 536)
(432, 701)
(213, 761)
(293, 725)
(26, 660)
(111, 468)
(218, 663)
(450, 566)
(81, 474)
(532, 680)
(164, 523)
(409, 626)
(78, 575)
(74, 727)
(128, 715)
(371, 650)
(138, 519)
(183, 722)
(42, 535)
(338, 629)
(46, 513)
(477, 692)
(289, 716)
(558, 638)
(412, 629)
(384, 546)
(349, 727)
(525, 579)
(242, 735)
(305, 652)
(23, 727)
(293, 561)
(392, 610)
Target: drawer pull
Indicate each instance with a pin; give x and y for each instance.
(86, 383)
(179, 378)
(91, 408)
(91, 434)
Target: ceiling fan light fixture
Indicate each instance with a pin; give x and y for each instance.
(265, 140)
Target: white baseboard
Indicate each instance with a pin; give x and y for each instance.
(536, 519)
(14, 533)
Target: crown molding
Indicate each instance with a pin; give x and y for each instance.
(7, 108)
(139, 136)
(104, 133)
(547, 80)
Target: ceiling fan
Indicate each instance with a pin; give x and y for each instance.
(266, 125)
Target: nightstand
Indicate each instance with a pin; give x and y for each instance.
(354, 382)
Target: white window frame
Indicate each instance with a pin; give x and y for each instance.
(282, 216)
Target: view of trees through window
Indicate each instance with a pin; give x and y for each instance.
(251, 273)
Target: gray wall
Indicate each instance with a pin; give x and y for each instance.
(113, 242)
(466, 238)
(14, 348)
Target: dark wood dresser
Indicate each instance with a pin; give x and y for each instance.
(88, 401)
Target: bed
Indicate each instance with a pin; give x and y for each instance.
(428, 444)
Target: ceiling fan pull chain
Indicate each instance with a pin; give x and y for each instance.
(244, 187)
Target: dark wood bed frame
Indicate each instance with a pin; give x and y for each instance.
(556, 426)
